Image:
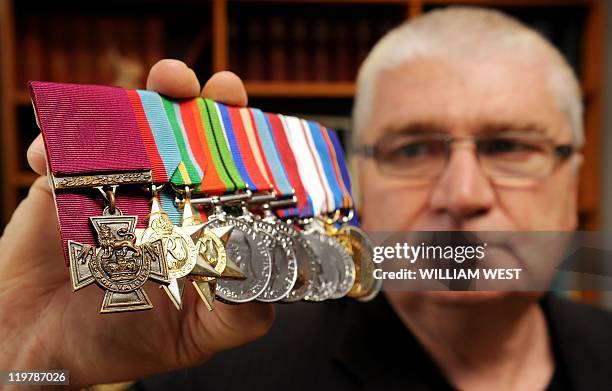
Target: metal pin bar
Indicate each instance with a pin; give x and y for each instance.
(228, 199)
(286, 203)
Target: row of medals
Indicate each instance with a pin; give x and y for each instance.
(236, 256)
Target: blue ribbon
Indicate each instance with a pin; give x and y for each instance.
(272, 155)
(325, 158)
(165, 143)
(230, 135)
(161, 129)
(333, 136)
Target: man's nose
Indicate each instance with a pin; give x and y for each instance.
(463, 191)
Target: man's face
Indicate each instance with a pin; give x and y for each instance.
(464, 99)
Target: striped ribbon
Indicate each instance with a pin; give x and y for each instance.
(160, 142)
(304, 203)
(248, 150)
(188, 172)
(307, 167)
(256, 148)
(225, 160)
(346, 179)
(326, 164)
(347, 198)
(156, 133)
(271, 154)
(329, 205)
(234, 145)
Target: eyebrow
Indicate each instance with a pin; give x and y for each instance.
(508, 127)
(418, 127)
(427, 127)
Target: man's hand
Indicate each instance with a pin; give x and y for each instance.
(43, 325)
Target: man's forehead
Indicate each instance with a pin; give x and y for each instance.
(465, 96)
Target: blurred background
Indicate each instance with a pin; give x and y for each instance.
(296, 57)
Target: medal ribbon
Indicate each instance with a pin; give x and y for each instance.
(160, 142)
(156, 133)
(271, 153)
(240, 147)
(329, 204)
(304, 206)
(89, 130)
(347, 198)
(307, 167)
(346, 179)
(234, 148)
(326, 165)
(256, 149)
(188, 172)
(225, 161)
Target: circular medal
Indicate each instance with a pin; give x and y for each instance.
(328, 253)
(346, 272)
(284, 264)
(247, 249)
(357, 244)
(307, 263)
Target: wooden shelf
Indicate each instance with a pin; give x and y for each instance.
(295, 89)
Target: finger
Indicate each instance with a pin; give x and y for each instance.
(174, 79)
(36, 156)
(226, 87)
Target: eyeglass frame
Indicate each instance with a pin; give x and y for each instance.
(561, 152)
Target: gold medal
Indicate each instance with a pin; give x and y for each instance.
(358, 246)
(179, 249)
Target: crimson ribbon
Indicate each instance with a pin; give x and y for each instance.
(89, 130)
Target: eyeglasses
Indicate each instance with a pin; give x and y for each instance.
(513, 157)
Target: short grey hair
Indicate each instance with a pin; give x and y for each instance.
(466, 31)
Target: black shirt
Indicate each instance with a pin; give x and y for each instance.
(345, 345)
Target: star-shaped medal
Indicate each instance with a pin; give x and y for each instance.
(179, 248)
(210, 247)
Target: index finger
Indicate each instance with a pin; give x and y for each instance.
(174, 79)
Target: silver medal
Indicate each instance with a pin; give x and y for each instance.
(307, 263)
(332, 256)
(324, 282)
(284, 264)
(247, 248)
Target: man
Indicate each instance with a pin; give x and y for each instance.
(442, 89)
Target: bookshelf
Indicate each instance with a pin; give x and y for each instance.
(284, 69)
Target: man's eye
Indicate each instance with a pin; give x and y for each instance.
(412, 150)
(505, 146)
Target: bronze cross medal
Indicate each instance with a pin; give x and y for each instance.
(118, 265)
